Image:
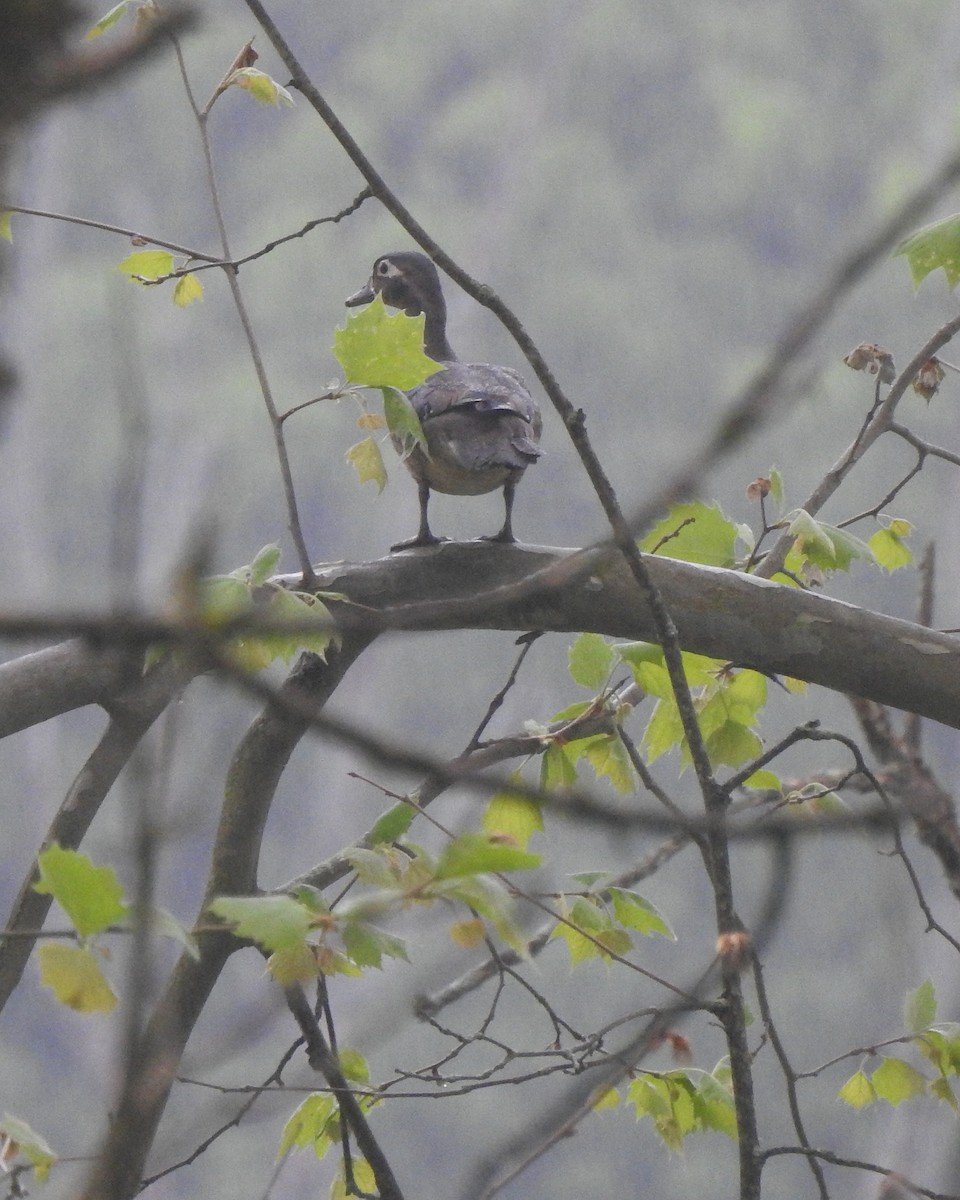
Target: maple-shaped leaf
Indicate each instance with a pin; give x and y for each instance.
(475, 853)
(695, 533)
(293, 964)
(188, 289)
(858, 1091)
(90, 896)
(920, 1008)
(368, 462)
(274, 922)
(146, 264)
(895, 1081)
(310, 1125)
(380, 349)
(888, 546)
(513, 818)
(591, 659)
(935, 247)
(74, 976)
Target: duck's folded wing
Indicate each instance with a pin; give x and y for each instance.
(479, 388)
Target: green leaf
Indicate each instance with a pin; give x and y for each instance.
(393, 824)
(187, 289)
(292, 964)
(378, 349)
(476, 853)
(715, 1107)
(368, 462)
(311, 1125)
(934, 1047)
(934, 247)
(635, 912)
(664, 730)
(264, 564)
(888, 546)
(514, 818)
(367, 945)
(733, 744)
(29, 1143)
(645, 660)
(363, 1177)
(858, 1091)
(402, 420)
(895, 1081)
(591, 660)
(488, 897)
(588, 878)
(90, 896)
(709, 537)
(776, 484)
(372, 866)
(274, 922)
(74, 976)
(6, 231)
(669, 1102)
(223, 597)
(354, 1066)
(920, 1008)
(557, 768)
(941, 1090)
(609, 1098)
(261, 87)
(167, 925)
(147, 264)
(607, 756)
(764, 781)
(110, 18)
(585, 917)
(297, 609)
(824, 545)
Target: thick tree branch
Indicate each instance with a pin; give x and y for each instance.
(478, 585)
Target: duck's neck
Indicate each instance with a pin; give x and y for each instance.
(435, 344)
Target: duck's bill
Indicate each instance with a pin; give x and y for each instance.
(364, 296)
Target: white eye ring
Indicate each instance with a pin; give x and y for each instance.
(388, 269)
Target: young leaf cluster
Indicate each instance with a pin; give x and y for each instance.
(727, 700)
(294, 620)
(306, 938)
(683, 1102)
(895, 1080)
(602, 922)
(700, 533)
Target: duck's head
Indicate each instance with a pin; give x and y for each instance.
(405, 280)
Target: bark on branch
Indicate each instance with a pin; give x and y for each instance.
(479, 585)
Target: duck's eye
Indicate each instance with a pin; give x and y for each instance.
(383, 267)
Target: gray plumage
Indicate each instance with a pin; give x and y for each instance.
(480, 422)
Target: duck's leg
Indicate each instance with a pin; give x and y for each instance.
(424, 536)
(505, 533)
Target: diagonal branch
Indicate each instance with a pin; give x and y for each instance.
(251, 783)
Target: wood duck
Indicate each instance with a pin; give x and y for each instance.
(481, 424)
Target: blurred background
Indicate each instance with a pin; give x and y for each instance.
(654, 190)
